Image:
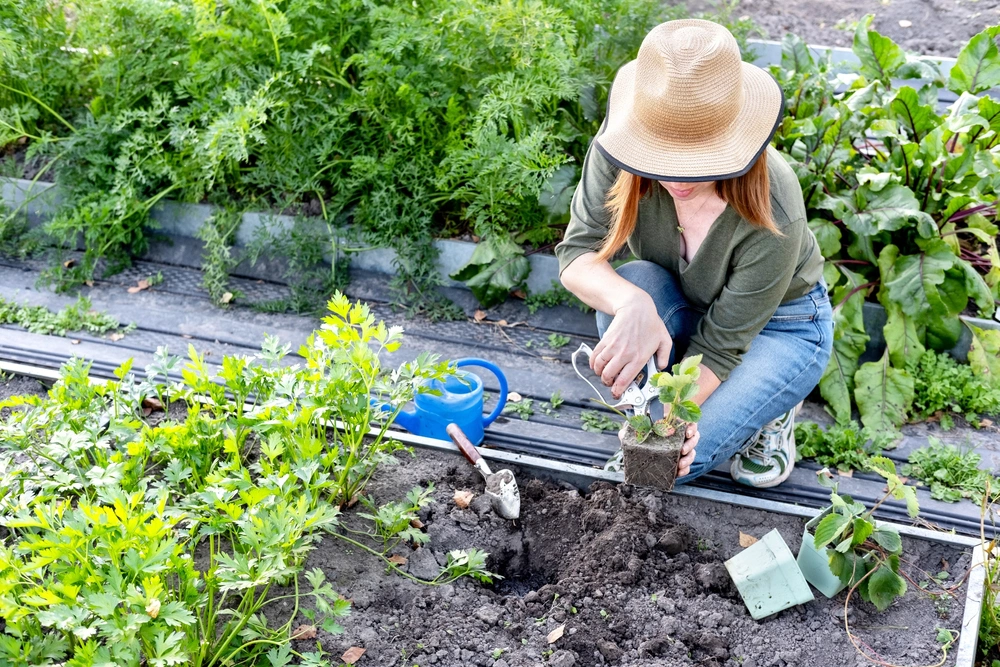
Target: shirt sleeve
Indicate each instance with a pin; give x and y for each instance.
(759, 278)
(588, 219)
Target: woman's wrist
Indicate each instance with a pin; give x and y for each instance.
(633, 296)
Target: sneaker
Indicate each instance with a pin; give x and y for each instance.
(769, 459)
(615, 463)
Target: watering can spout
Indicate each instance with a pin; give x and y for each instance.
(409, 420)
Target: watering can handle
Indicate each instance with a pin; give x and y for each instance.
(501, 378)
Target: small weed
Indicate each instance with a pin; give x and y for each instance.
(218, 234)
(557, 341)
(153, 281)
(78, 316)
(942, 385)
(703, 545)
(595, 422)
(554, 403)
(842, 447)
(605, 614)
(951, 473)
(497, 652)
(557, 296)
(522, 408)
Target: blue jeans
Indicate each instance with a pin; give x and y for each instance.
(784, 363)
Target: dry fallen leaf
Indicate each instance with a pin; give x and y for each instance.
(502, 323)
(903, 23)
(398, 560)
(153, 608)
(417, 523)
(986, 423)
(152, 402)
(514, 397)
(556, 634)
(75, 341)
(520, 294)
(88, 283)
(463, 498)
(845, 473)
(69, 263)
(479, 315)
(747, 540)
(304, 632)
(115, 337)
(146, 412)
(352, 655)
(186, 336)
(139, 286)
(227, 297)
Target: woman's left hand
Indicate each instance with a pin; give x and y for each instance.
(691, 438)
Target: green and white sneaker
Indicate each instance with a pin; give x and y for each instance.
(769, 460)
(616, 463)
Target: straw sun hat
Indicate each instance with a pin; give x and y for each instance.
(688, 108)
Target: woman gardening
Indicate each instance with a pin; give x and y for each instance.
(725, 267)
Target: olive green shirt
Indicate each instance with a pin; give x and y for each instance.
(739, 275)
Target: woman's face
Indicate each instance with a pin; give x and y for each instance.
(688, 191)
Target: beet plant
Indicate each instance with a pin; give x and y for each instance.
(902, 199)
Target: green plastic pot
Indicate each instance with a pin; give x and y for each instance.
(815, 563)
(768, 577)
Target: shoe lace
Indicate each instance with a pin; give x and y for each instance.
(764, 442)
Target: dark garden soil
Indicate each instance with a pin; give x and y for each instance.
(929, 27)
(632, 577)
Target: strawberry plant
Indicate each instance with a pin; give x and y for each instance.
(864, 555)
(676, 389)
(902, 201)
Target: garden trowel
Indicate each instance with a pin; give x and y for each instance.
(501, 487)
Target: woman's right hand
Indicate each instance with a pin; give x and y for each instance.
(636, 333)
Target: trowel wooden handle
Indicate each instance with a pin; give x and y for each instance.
(468, 450)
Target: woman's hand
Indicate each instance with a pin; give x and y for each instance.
(635, 335)
(691, 437)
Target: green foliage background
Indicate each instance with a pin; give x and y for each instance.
(409, 119)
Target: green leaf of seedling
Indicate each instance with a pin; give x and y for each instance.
(687, 411)
(888, 540)
(862, 530)
(829, 529)
(884, 586)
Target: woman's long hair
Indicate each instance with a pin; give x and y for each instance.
(749, 195)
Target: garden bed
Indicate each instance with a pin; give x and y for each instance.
(616, 575)
(633, 578)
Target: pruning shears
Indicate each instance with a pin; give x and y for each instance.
(639, 394)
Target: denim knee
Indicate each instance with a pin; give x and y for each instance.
(664, 289)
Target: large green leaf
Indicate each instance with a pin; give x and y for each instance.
(795, 55)
(984, 352)
(884, 394)
(557, 191)
(917, 118)
(827, 235)
(849, 339)
(888, 209)
(497, 267)
(884, 586)
(880, 56)
(915, 279)
(978, 65)
(904, 334)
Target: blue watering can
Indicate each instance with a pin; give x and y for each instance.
(460, 402)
